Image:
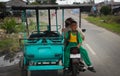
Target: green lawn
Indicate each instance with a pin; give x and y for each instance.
(111, 23)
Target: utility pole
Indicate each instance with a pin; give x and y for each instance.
(92, 2)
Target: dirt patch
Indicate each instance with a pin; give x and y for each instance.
(84, 15)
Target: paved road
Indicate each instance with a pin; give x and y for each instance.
(103, 48)
(10, 71)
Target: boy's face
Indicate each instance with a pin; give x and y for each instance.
(73, 26)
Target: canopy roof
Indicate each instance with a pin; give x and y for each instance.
(83, 7)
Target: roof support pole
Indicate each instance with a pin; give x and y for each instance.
(49, 26)
(37, 20)
(56, 20)
(62, 18)
(24, 20)
(23, 17)
(63, 23)
(79, 18)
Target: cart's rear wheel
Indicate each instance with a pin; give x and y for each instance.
(25, 72)
(28, 73)
(65, 73)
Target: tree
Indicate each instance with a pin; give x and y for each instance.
(46, 1)
(34, 3)
(53, 1)
(105, 10)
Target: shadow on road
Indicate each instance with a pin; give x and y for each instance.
(13, 70)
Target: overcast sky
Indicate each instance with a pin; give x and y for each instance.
(96, 1)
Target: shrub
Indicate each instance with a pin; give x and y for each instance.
(105, 10)
(9, 24)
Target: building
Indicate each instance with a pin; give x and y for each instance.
(115, 6)
(62, 2)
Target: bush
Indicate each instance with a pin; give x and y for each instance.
(111, 19)
(9, 45)
(116, 19)
(34, 3)
(11, 26)
(105, 10)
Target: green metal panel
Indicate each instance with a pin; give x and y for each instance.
(56, 21)
(62, 18)
(47, 67)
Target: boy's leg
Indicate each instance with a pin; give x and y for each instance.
(85, 56)
(66, 57)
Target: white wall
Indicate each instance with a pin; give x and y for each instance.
(65, 1)
(70, 1)
(61, 2)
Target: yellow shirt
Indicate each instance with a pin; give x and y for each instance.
(73, 38)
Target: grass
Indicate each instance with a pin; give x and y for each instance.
(9, 45)
(112, 23)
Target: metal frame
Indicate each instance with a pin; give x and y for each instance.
(81, 7)
(52, 6)
(39, 43)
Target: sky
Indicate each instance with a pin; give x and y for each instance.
(96, 1)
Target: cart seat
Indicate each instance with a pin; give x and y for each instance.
(45, 34)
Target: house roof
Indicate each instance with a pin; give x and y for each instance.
(15, 2)
(2, 5)
(116, 3)
(109, 3)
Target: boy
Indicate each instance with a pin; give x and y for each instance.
(67, 27)
(75, 40)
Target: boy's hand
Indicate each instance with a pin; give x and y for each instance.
(78, 45)
(63, 29)
(83, 38)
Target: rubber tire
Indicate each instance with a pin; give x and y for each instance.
(74, 70)
(24, 72)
